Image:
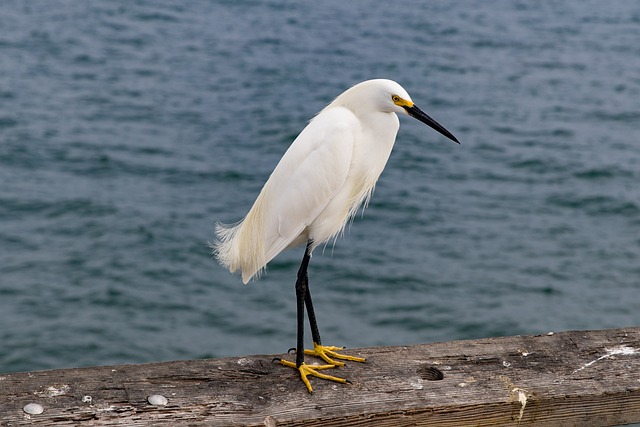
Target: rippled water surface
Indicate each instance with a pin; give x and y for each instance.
(128, 128)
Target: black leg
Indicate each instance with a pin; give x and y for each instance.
(315, 333)
(303, 298)
(302, 292)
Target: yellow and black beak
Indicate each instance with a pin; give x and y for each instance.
(417, 113)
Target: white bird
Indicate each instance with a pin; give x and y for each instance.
(327, 173)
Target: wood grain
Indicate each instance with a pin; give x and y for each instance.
(562, 379)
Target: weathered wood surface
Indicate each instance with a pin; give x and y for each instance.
(581, 378)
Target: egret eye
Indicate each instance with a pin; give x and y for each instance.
(395, 98)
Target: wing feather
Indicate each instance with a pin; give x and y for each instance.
(311, 172)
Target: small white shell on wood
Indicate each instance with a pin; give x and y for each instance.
(157, 400)
(33, 409)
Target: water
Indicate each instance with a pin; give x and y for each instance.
(128, 128)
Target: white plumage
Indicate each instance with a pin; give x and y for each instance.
(329, 170)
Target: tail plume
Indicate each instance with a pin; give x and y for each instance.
(223, 248)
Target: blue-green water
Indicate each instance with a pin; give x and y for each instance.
(128, 128)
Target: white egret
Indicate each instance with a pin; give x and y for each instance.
(327, 173)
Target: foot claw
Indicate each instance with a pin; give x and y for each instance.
(327, 352)
(312, 370)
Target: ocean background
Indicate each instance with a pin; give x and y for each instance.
(128, 128)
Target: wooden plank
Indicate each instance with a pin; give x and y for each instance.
(562, 379)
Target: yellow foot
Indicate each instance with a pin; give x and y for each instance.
(327, 352)
(312, 370)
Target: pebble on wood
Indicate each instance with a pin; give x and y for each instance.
(157, 400)
(33, 409)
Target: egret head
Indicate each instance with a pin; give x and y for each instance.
(404, 105)
(389, 97)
